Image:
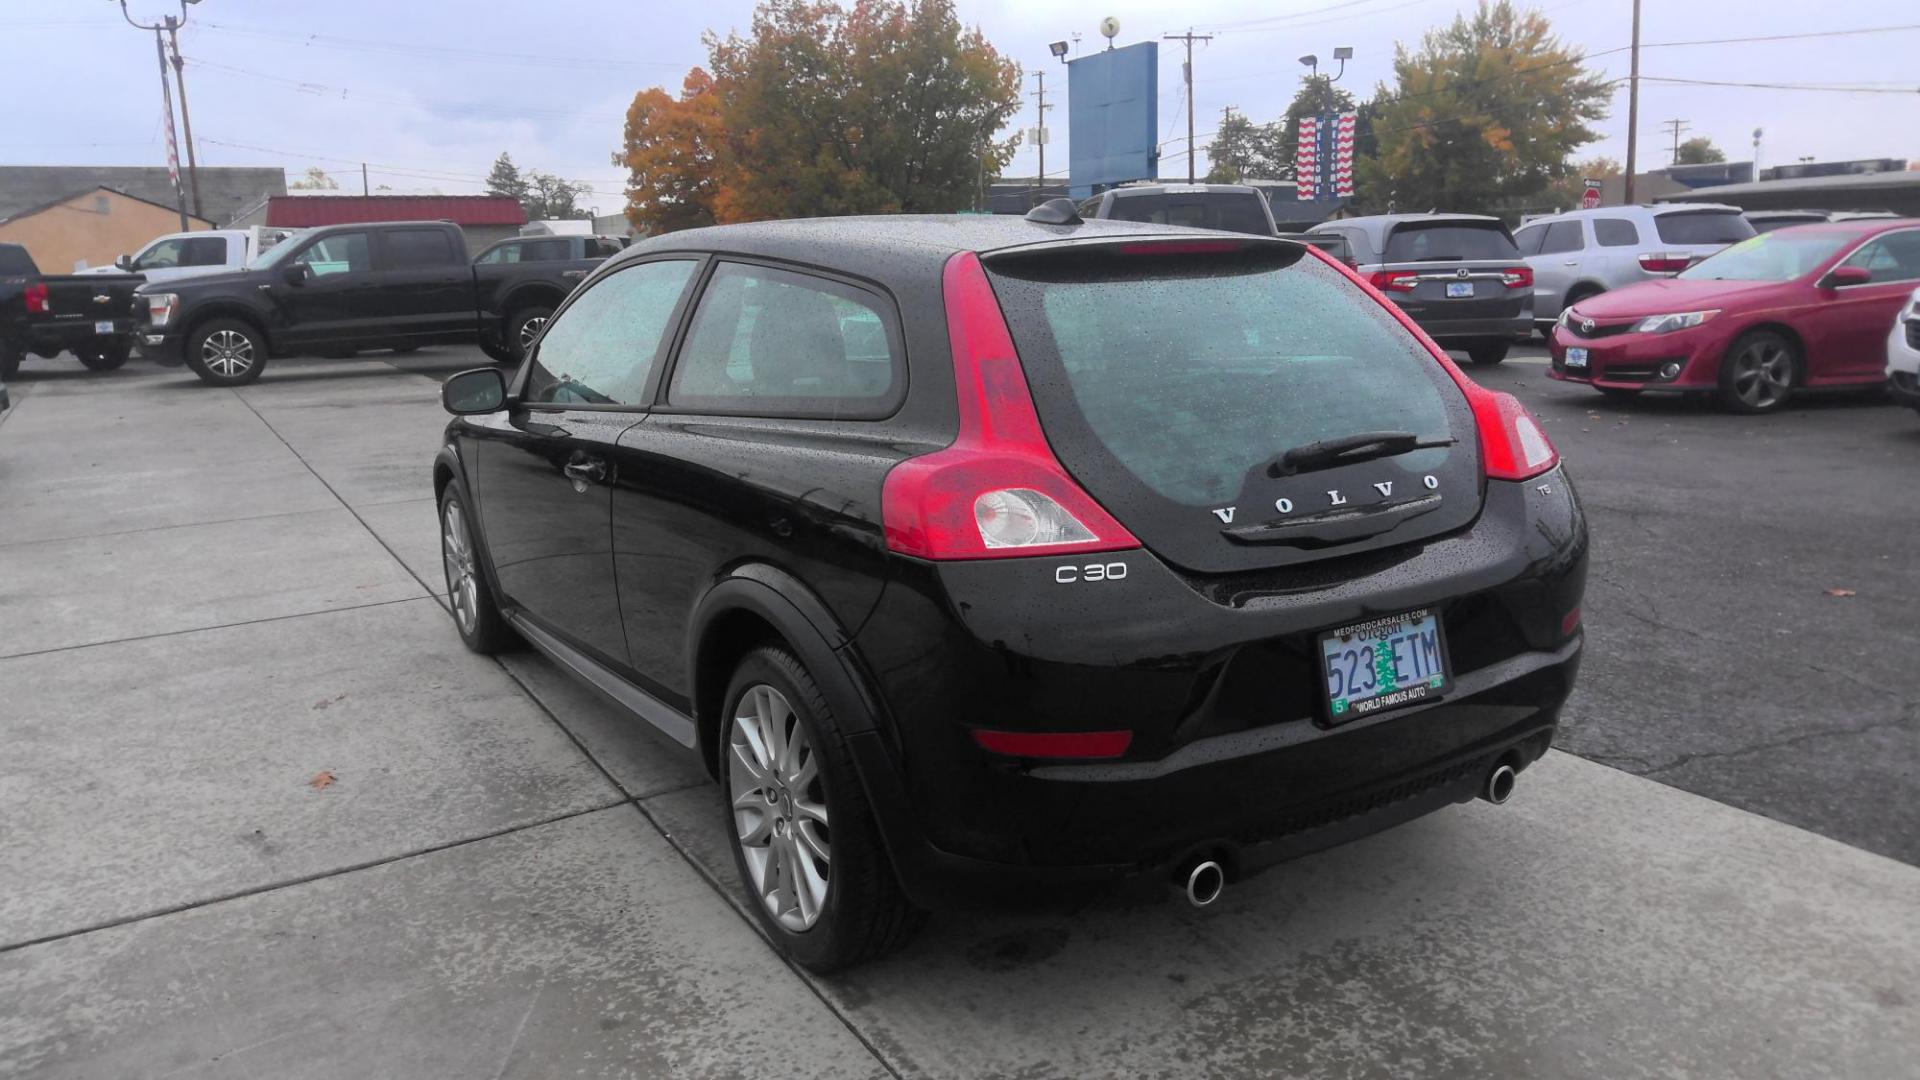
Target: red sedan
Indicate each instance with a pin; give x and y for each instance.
(1796, 309)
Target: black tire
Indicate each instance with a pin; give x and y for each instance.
(10, 358)
(215, 352)
(469, 597)
(497, 352)
(1759, 372)
(105, 358)
(864, 915)
(1487, 353)
(523, 326)
(1617, 393)
(1584, 293)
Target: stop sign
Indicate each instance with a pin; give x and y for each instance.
(1591, 198)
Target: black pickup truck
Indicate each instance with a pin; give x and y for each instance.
(332, 290)
(89, 315)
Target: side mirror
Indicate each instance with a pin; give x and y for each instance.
(1841, 276)
(124, 262)
(296, 273)
(470, 393)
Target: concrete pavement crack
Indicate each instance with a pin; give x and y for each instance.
(1906, 717)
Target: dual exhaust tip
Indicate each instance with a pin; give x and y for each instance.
(1205, 879)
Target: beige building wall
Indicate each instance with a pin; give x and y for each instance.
(92, 228)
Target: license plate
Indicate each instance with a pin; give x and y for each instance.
(1458, 289)
(1383, 664)
(104, 326)
(1576, 358)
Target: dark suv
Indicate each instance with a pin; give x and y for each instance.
(982, 557)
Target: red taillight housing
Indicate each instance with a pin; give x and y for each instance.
(38, 302)
(1518, 277)
(1054, 744)
(1511, 442)
(1394, 280)
(997, 491)
(1665, 262)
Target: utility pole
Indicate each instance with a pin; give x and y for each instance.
(1187, 70)
(1676, 126)
(1040, 135)
(1633, 106)
(166, 99)
(363, 180)
(186, 121)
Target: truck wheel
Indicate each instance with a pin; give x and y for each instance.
(497, 352)
(105, 358)
(226, 352)
(524, 327)
(1487, 353)
(9, 362)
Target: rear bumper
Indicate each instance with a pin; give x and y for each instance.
(68, 334)
(1513, 328)
(1234, 754)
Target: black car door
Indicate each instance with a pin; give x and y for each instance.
(426, 287)
(333, 300)
(763, 448)
(544, 466)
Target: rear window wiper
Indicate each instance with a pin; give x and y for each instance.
(1351, 448)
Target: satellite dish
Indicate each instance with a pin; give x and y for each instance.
(1109, 27)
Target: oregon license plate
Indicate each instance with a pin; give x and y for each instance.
(1458, 289)
(1383, 664)
(1576, 358)
(104, 326)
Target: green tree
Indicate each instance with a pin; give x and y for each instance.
(1699, 150)
(1566, 192)
(505, 179)
(1484, 114)
(1242, 149)
(315, 179)
(550, 198)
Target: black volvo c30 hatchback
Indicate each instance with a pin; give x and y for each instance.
(982, 557)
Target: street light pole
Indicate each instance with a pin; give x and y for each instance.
(1633, 106)
(172, 27)
(1189, 37)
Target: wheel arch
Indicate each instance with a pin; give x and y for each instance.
(531, 294)
(1793, 338)
(226, 309)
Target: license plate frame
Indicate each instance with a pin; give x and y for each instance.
(1432, 686)
(103, 326)
(1576, 357)
(1459, 290)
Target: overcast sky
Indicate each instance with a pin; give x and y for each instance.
(429, 91)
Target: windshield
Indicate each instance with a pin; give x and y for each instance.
(279, 251)
(1702, 227)
(1773, 256)
(1452, 241)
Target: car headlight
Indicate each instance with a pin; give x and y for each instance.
(1667, 324)
(1566, 313)
(160, 308)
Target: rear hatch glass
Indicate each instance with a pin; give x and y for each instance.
(1450, 241)
(1171, 386)
(1240, 212)
(1701, 227)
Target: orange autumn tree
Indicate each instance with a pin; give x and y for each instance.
(885, 106)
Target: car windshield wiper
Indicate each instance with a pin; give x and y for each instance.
(1342, 451)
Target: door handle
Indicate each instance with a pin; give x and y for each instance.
(592, 469)
(1570, 262)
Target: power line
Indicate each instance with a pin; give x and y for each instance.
(1835, 88)
(334, 41)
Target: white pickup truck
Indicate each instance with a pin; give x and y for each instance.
(195, 254)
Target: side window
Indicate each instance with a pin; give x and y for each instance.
(775, 343)
(1528, 239)
(1089, 208)
(1615, 232)
(602, 348)
(339, 253)
(1893, 257)
(544, 251)
(164, 255)
(1562, 236)
(410, 249)
(505, 253)
(205, 251)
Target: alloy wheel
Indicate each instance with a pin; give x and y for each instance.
(227, 353)
(529, 330)
(779, 807)
(463, 583)
(1762, 374)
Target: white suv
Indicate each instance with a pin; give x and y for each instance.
(1903, 355)
(1584, 253)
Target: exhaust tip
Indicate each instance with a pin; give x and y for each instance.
(1499, 787)
(1205, 882)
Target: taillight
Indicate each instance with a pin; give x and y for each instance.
(1511, 441)
(1519, 277)
(37, 301)
(998, 490)
(1665, 262)
(1394, 280)
(1054, 744)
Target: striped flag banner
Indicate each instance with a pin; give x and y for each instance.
(1306, 159)
(1343, 134)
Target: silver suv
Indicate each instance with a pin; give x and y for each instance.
(1584, 253)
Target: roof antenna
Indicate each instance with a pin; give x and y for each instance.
(1055, 212)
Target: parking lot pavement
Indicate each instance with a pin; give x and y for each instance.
(1717, 659)
(282, 829)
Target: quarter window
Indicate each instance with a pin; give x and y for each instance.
(603, 347)
(1562, 236)
(1615, 232)
(339, 253)
(1893, 257)
(775, 343)
(1528, 239)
